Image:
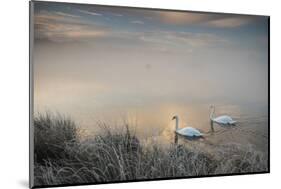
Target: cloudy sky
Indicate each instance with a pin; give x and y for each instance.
(92, 59)
(74, 22)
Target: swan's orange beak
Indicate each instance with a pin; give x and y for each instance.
(174, 118)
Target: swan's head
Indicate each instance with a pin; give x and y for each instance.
(175, 117)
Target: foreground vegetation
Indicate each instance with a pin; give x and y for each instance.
(61, 157)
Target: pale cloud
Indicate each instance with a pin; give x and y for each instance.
(90, 13)
(56, 17)
(66, 15)
(183, 39)
(171, 41)
(61, 27)
(82, 33)
(229, 22)
(181, 17)
(202, 19)
(137, 22)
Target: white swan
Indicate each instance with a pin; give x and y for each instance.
(187, 131)
(222, 120)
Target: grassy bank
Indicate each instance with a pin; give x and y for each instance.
(61, 157)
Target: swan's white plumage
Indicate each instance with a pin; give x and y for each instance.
(222, 120)
(189, 132)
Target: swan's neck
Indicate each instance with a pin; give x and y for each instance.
(212, 112)
(212, 125)
(177, 123)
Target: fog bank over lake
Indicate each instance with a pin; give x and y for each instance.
(90, 82)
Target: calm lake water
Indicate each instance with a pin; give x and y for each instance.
(155, 124)
(251, 127)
